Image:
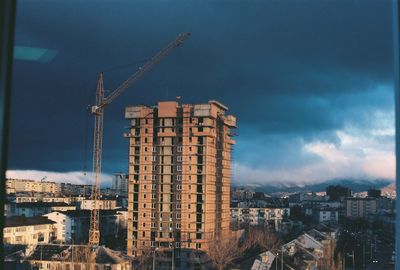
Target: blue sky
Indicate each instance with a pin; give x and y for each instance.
(310, 82)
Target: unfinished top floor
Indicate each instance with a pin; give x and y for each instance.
(172, 109)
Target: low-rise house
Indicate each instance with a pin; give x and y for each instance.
(28, 231)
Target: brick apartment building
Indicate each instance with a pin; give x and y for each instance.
(179, 175)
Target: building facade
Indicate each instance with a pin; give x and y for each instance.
(25, 185)
(73, 226)
(98, 204)
(360, 207)
(262, 216)
(179, 175)
(120, 183)
(28, 231)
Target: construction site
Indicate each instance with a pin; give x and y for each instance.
(179, 185)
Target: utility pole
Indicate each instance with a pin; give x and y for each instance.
(364, 255)
(154, 259)
(353, 260)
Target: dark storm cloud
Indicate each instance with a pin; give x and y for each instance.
(292, 71)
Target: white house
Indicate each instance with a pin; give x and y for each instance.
(28, 231)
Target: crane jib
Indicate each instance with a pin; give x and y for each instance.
(98, 111)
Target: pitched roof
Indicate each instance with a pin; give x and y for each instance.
(81, 253)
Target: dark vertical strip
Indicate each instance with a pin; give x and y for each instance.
(396, 74)
(7, 23)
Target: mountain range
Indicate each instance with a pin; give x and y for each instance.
(356, 185)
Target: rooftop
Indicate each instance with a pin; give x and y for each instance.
(86, 213)
(81, 253)
(19, 221)
(41, 204)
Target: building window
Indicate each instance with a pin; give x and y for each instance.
(179, 177)
(178, 225)
(179, 149)
(179, 158)
(154, 149)
(179, 168)
(178, 206)
(178, 187)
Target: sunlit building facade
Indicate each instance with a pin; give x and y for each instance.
(179, 175)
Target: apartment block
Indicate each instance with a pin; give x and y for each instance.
(359, 207)
(28, 231)
(120, 183)
(25, 185)
(98, 204)
(179, 175)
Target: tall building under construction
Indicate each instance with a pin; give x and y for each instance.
(179, 175)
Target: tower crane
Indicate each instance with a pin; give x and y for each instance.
(98, 112)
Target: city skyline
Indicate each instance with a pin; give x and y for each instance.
(313, 111)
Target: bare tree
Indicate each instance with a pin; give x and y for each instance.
(328, 261)
(145, 261)
(223, 251)
(259, 237)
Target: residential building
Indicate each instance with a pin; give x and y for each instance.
(242, 194)
(259, 216)
(28, 231)
(179, 174)
(73, 226)
(374, 193)
(325, 215)
(120, 183)
(24, 185)
(32, 209)
(359, 207)
(68, 189)
(337, 193)
(98, 204)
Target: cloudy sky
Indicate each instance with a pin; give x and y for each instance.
(310, 82)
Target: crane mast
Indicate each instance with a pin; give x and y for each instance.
(98, 112)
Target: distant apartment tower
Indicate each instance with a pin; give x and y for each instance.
(337, 193)
(360, 207)
(120, 183)
(179, 175)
